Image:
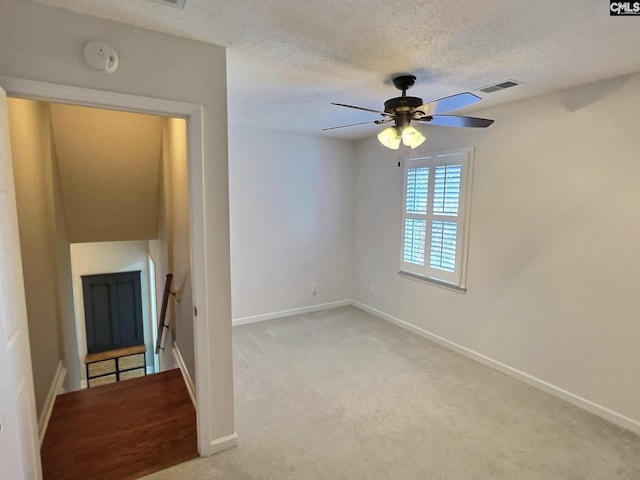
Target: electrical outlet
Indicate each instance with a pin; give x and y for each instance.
(372, 288)
(314, 288)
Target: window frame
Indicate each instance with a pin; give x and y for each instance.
(455, 280)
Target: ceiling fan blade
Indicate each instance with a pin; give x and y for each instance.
(448, 103)
(362, 108)
(377, 122)
(456, 121)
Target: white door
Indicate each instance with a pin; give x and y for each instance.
(19, 445)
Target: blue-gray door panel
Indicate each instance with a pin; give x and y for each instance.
(113, 310)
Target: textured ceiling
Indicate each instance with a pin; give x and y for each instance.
(288, 60)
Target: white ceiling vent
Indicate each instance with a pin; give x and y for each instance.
(499, 86)
(171, 3)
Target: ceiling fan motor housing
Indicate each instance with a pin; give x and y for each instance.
(403, 104)
(394, 105)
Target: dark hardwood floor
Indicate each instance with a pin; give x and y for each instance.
(120, 431)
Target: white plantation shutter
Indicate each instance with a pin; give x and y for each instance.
(415, 225)
(434, 216)
(446, 189)
(443, 245)
(416, 197)
(414, 240)
(446, 203)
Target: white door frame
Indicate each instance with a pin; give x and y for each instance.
(42, 91)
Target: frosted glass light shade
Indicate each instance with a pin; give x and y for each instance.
(411, 137)
(390, 138)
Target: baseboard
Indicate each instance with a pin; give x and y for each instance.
(191, 387)
(288, 313)
(223, 443)
(54, 390)
(599, 410)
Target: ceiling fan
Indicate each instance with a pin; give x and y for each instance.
(403, 110)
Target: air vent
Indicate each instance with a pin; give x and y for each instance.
(499, 86)
(171, 3)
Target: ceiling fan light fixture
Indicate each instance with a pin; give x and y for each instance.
(390, 137)
(412, 137)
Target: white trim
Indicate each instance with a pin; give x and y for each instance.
(200, 279)
(24, 88)
(592, 407)
(288, 313)
(43, 91)
(432, 281)
(54, 391)
(223, 443)
(179, 362)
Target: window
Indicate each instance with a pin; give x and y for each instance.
(434, 217)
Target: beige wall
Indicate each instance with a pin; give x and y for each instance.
(45, 44)
(43, 241)
(64, 286)
(161, 252)
(109, 163)
(175, 132)
(171, 251)
(553, 269)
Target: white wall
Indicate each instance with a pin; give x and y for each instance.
(45, 44)
(291, 201)
(110, 257)
(553, 263)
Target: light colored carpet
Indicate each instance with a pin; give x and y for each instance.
(340, 394)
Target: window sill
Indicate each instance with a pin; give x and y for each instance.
(432, 281)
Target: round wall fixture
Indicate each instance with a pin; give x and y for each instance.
(101, 56)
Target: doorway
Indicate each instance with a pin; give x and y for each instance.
(71, 188)
(99, 186)
(208, 441)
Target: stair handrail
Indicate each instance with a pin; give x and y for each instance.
(163, 311)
